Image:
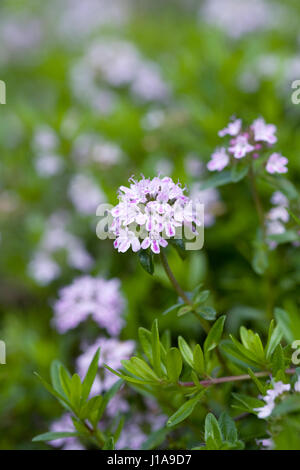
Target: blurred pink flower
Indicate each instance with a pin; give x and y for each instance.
(264, 132)
(240, 146)
(219, 160)
(87, 296)
(233, 128)
(277, 164)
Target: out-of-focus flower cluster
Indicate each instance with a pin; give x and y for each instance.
(43, 267)
(86, 296)
(47, 161)
(277, 219)
(238, 18)
(277, 216)
(90, 148)
(248, 143)
(149, 212)
(117, 64)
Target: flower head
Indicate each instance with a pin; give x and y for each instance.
(248, 143)
(277, 164)
(264, 132)
(219, 160)
(240, 146)
(86, 296)
(233, 128)
(149, 212)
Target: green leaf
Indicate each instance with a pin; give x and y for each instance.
(184, 310)
(212, 430)
(186, 351)
(289, 323)
(290, 404)
(288, 236)
(184, 411)
(119, 428)
(214, 336)
(208, 313)
(156, 348)
(146, 260)
(234, 354)
(283, 185)
(228, 427)
(274, 338)
(166, 339)
(257, 382)
(90, 375)
(53, 392)
(52, 436)
(107, 397)
(173, 364)
(172, 308)
(201, 297)
(278, 364)
(127, 378)
(216, 180)
(109, 444)
(155, 439)
(198, 360)
(65, 380)
(145, 338)
(252, 342)
(245, 354)
(296, 219)
(139, 368)
(79, 426)
(260, 260)
(89, 408)
(75, 396)
(55, 378)
(246, 403)
(179, 246)
(239, 171)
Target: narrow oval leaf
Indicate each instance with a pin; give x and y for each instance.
(198, 360)
(183, 412)
(173, 364)
(52, 436)
(146, 261)
(212, 430)
(214, 336)
(185, 351)
(90, 375)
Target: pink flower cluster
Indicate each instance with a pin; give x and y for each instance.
(149, 212)
(248, 142)
(93, 296)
